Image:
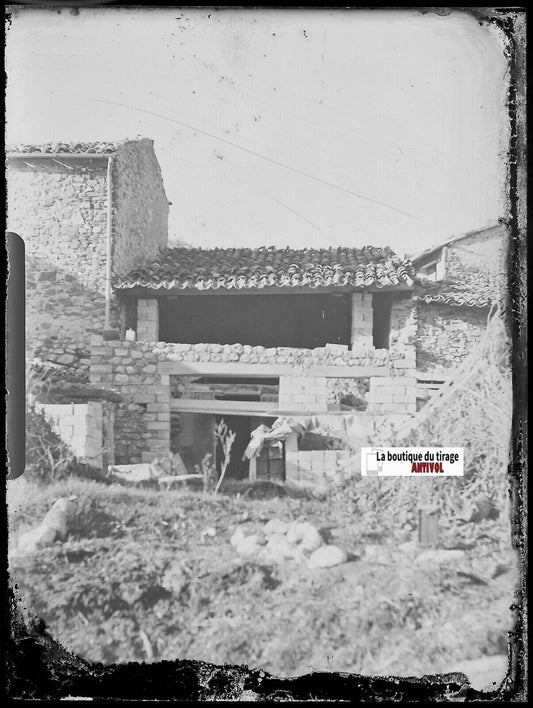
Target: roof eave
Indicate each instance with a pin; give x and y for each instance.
(161, 290)
(56, 155)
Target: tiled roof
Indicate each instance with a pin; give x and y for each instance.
(94, 148)
(246, 268)
(479, 294)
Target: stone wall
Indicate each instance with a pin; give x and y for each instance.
(60, 209)
(80, 426)
(484, 251)
(304, 393)
(393, 395)
(247, 354)
(447, 334)
(142, 422)
(403, 321)
(61, 316)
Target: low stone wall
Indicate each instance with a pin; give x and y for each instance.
(247, 354)
(80, 426)
(319, 467)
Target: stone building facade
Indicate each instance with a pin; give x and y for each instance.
(83, 211)
(336, 338)
(460, 283)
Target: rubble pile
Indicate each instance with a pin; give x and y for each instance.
(280, 542)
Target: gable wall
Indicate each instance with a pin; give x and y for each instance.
(61, 211)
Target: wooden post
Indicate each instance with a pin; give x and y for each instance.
(428, 526)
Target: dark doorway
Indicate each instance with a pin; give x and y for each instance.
(297, 320)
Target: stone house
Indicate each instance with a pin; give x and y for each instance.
(328, 339)
(458, 285)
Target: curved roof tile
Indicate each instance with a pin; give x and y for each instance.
(476, 293)
(246, 268)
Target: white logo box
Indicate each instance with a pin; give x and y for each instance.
(412, 461)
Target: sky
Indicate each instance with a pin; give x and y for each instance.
(280, 127)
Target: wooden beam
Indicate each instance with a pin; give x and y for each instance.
(252, 408)
(210, 368)
(175, 294)
(255, 409)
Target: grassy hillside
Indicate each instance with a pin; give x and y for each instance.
(138, 579)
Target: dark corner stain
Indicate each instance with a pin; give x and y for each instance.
(38, 667)
(513, 27)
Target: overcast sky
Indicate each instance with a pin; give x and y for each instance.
(397, 118)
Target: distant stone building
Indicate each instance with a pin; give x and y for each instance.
(458, 284)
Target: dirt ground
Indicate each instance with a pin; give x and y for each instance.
(146, 575)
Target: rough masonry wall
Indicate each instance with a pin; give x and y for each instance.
(447, 334)
(403, 321)
(484, 252)
(142, 422)
(61, 212)
(140, 219)
(61, 215)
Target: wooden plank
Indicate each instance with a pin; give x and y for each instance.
(198, 405)
(209, 368)
(252, 473)
(350, 372)
(257, 409)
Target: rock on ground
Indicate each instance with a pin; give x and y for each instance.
(53, 526)
(327, 557)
